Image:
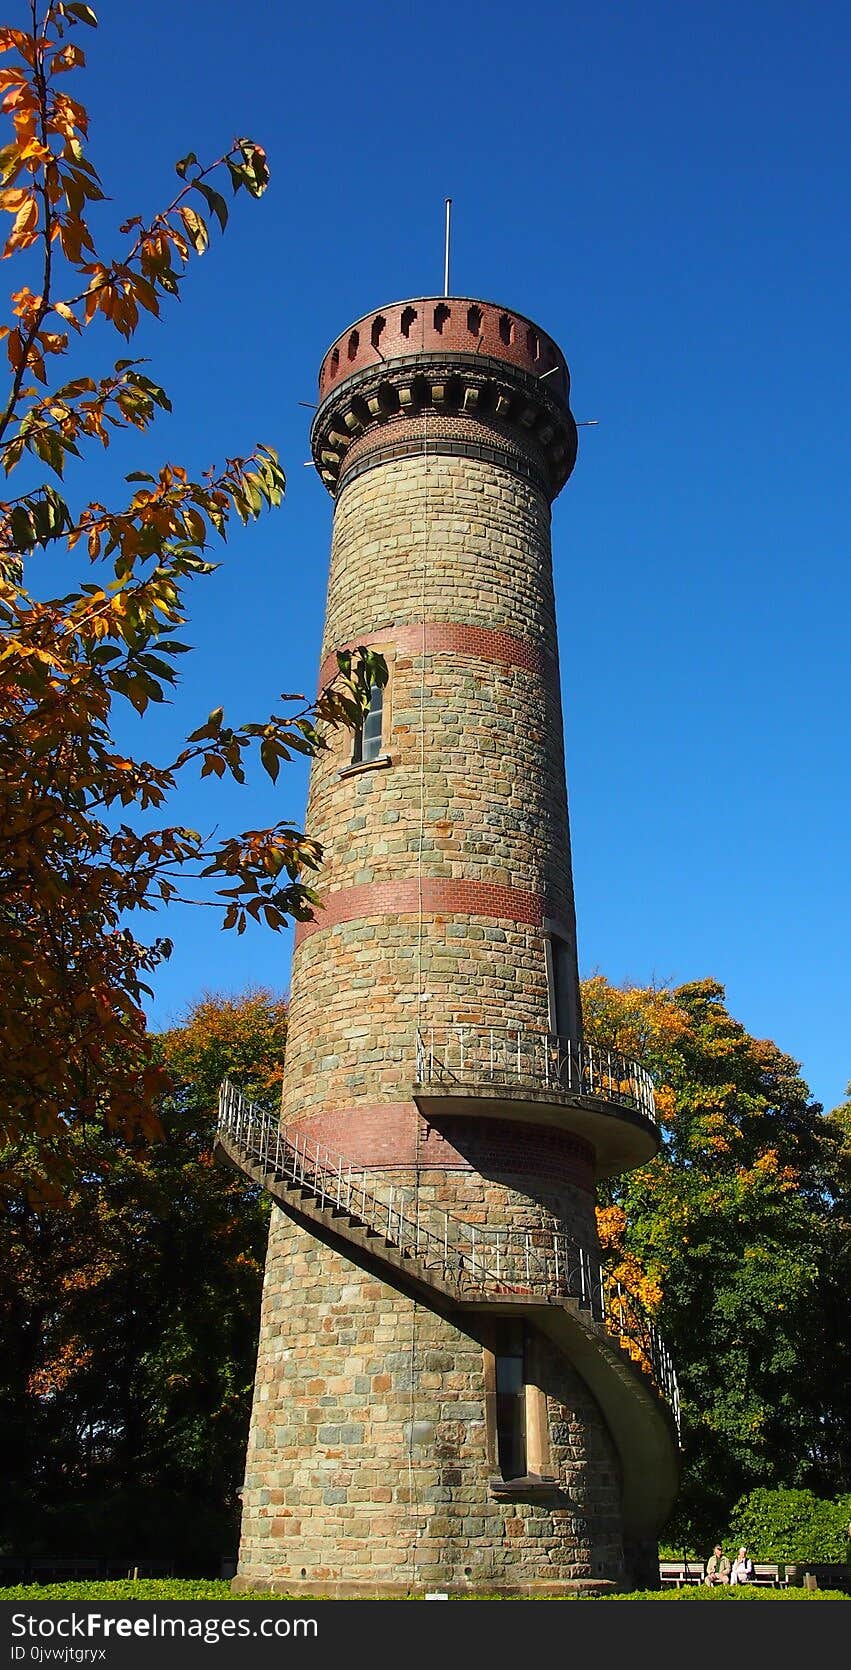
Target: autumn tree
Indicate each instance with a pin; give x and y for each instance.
(739, 1231)
(129, 1315)
(82, 852)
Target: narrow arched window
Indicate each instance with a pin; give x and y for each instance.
(367, 739)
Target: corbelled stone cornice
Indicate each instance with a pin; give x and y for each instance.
(470, 404)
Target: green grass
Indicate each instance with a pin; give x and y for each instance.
(218, 1589)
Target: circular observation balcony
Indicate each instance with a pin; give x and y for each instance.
(539, 1078)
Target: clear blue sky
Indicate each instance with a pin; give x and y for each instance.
(665, 188)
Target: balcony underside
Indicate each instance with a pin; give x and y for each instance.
(621, 1137)
(640, 1423)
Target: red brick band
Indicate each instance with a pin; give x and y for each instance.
(482, 643)
(394, 1135)
(434, 896)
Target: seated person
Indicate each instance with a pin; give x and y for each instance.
(717, 1566)
(742, 1571)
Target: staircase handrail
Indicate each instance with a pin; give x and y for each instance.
(455, 1052)
(506, 1259)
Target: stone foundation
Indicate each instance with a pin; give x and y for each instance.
(369, 1459)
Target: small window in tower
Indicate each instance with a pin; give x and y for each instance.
(367, 739)
(532, 343)
(510, 1368)
(409, 315)
(354, 344)
(506, 328)
(516, 1414)
(378, 324)
(562, 986)
(335, 362)
(474, 320)
(441, 314)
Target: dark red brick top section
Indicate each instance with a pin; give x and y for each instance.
(445, 324)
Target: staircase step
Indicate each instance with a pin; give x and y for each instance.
(338, 1216)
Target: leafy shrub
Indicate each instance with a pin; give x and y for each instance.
(150, 1588)
(174, 1588)
(791, 1525)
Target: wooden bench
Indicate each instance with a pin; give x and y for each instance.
(766, 1574)
(681, 1572)
(769, 1576)
(47, 1570)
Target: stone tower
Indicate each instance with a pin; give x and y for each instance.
(449, 1394)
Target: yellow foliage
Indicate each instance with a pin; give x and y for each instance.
(666, 1102)
(611, 1223)
(54, 1376)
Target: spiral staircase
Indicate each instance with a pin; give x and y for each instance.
(538, 1274)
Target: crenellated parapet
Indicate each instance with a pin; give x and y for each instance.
(464, 378)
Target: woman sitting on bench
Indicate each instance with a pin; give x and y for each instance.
(742, 1571)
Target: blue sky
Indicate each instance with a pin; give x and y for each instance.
(665, 189)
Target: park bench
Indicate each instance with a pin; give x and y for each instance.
(130, 1568)
(13, 1569)
(53, 1569)
(766, 1574)
(48, 1569)
(769, 1576)
(681, 1572)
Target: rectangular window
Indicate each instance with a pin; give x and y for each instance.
(516, 1411)
(561, 983)
(367, 739)
(510, 1371)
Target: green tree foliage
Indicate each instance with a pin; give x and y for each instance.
(742, 1223)
(792, 1525)
(129, 1316)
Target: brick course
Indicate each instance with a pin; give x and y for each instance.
(400, 898)
(478, 643)
(395, 1134)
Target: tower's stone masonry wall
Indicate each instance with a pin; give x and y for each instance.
(442, 539)
(476, 787)
(353, 1017)
(474, 793)
(367, 1459)
(489, 791)
(490, 1197)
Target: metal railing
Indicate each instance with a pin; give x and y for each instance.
(475, 1258)
(470, 1055)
